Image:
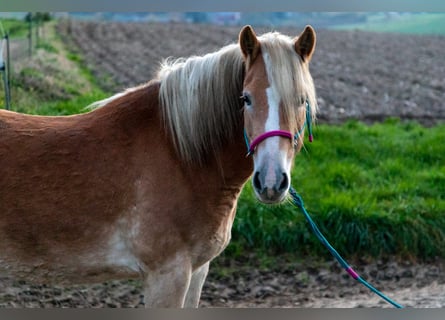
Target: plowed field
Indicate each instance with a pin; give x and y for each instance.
(367, 76)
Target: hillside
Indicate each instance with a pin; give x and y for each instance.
(361, 75)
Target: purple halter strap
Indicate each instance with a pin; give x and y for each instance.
(264, 136)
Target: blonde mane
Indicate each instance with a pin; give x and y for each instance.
(200, 96)
(200, 101)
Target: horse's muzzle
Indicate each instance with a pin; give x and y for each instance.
(271, 190)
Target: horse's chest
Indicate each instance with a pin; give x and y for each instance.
(213, 242)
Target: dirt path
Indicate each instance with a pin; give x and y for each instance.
(327, 286)
(330, 287)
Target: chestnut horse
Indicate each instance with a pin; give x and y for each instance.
(147, 183)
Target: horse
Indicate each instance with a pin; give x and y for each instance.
(145, 184)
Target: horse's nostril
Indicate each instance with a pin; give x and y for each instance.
(284, 183)
(257, 182)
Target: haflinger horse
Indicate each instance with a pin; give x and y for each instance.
(146, 184)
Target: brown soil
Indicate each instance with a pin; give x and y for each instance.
(298, 285)
(358, 75)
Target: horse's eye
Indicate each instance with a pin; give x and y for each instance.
(246, 99)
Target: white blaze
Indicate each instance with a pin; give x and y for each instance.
(271, 158)
(272, 144)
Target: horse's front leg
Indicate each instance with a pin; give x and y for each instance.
(167, 287)
(195, 288)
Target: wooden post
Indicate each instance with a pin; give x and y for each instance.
(36, 26)
(5, 80)
(8, 75)
(3, 69)
(30, 35)
(2, 62)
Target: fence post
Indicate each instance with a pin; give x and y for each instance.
(5, 80)
(7, 76)
(37, 27)
(30, 35)
(3, 69)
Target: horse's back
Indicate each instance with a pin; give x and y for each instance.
(62, 191)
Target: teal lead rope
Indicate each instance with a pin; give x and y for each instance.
(298, 202)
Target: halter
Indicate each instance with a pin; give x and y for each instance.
(298, 201)
(281, 133)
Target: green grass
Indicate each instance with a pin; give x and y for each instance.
(14, 27)
(424, 23)
(54, 81)
(66, 107)
(373, 190)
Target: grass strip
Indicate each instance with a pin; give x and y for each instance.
(374, 191)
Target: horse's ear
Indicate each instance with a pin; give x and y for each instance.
(305, 43)
(249, 43)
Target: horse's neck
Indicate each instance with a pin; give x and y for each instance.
(235, 167)
(228, 169)
(223, 178)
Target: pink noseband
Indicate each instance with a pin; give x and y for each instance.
(281, 133)
(264, 136)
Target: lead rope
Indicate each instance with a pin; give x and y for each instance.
(298, 202)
